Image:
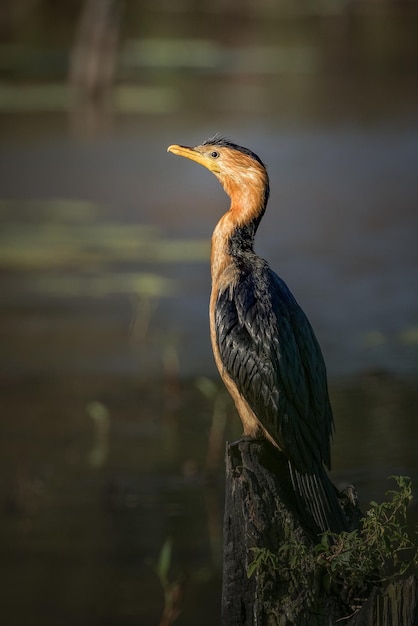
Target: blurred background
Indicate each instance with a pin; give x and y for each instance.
(113, 420)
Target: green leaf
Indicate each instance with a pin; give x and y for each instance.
(252, 568)
(164, 560)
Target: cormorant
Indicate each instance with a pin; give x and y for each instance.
(264, 346)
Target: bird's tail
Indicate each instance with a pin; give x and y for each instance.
(317, 496)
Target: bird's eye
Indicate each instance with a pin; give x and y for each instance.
(214, 154)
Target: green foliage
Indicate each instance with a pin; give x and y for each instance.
(263, 559)
(380, 550)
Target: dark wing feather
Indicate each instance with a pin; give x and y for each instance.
(269, 349)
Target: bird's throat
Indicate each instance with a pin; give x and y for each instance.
(233, 237)
(232, 244)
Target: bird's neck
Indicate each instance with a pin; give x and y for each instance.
(233, 237)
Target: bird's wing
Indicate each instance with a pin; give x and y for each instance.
(269, 349)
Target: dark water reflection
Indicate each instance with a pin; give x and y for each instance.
(78, 532)
(90, 492)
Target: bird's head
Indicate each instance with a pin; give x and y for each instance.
(241, 172)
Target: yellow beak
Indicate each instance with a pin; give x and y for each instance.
(194, 155)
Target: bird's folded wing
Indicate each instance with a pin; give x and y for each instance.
(269, 349)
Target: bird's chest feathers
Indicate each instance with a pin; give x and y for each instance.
(241, 299)
(237, 277)
(227, 239)
(224, 281)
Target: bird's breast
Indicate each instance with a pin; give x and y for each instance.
(228, 282)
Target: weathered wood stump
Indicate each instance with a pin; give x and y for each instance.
(261, 512)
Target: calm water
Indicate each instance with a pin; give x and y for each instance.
(91, 491)
(108, 388)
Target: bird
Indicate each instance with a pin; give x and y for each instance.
(264, 346)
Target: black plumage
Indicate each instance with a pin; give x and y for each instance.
(270, 351)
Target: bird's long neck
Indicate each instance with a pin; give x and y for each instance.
(233, 237)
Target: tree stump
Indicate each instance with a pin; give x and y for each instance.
(261, 513)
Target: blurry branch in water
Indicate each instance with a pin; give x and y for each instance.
(215, 452)
(143, 308)
(216, 443)
(171, 394)
(146, 339)
(93, 60)
(171, 374)
(101, 420)
(173, 591)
